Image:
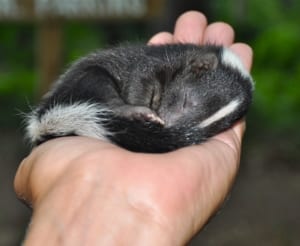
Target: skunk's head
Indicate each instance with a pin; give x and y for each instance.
(212, 80)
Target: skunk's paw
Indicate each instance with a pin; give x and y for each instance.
(140, 113)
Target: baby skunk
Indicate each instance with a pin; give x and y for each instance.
(146, 98)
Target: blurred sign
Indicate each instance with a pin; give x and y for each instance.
(78, 9)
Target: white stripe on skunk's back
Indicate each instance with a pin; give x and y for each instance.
(84, 119)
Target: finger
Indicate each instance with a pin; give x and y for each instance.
(233, 136)
(33, 176)
(189, 28)
(219, 33)
(21, 181)
(244, 52)
(239, 129)
(161, 38)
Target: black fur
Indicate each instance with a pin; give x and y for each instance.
(157, 95)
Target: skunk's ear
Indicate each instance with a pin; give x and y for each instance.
(203, 63)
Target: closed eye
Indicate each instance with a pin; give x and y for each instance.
(189, 101)
(155, 96)
(185, 101)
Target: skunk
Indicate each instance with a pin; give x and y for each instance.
(146, 98)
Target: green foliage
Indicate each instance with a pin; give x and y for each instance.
(19, 83)
(16, 46)
(80, 39)
(277, 71)
(17, 74)
(83, 38)
(256, 14)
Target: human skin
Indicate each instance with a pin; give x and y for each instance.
(89, 192)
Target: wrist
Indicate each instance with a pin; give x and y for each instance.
(53, 224)
(81, 210)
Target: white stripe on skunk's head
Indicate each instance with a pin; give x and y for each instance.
(85, 119)
(221, 113)
(230, 59)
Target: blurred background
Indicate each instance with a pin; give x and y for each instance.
(39, 38)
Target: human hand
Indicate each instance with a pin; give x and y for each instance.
(87, 192)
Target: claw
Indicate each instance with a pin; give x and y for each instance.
(140, 113)
(154, 118)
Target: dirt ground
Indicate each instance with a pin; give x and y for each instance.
(263, 207)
